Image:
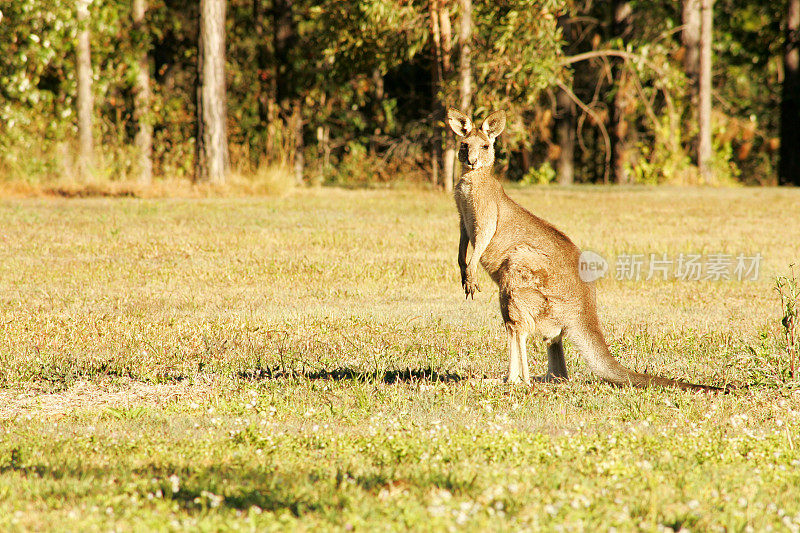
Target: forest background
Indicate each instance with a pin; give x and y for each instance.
(354, 92)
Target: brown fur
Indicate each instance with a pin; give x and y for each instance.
(534, 265)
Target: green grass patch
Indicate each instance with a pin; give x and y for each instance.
(308, 362)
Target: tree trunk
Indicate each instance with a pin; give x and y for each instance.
(85, 101)
(262, 64)
(789, 166)
(690, 37)
(619, 130)
(324, 149)
(283, 41)
(142, 98)
(264, 90)
(447, 73)
(299, 144)
(464, 63)
(379, 93)
(565, 126)
(212, 138)
(622, 20)
(289, 104)
(465, 57)
(704, 150)
(565, 123)
(436, 88)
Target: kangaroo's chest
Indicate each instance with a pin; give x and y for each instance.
(466, 207)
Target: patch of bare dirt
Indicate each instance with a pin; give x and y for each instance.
(96, 396)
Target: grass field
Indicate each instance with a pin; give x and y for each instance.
(310, 363)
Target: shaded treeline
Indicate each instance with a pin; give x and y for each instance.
(338, 91)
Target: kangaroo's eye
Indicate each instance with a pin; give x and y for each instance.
(485, 146)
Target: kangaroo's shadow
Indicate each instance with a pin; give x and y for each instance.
(349, 374)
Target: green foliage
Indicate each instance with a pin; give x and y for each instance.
(516, 58)
(788, 289)
(367, 36)
(362, 73)
(540, 176)
(36, 87)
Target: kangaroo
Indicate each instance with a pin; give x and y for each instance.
(535, 267)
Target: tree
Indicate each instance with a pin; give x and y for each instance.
(690, 39)
(622, 14)
(354, 80)
(446, 34)
(143, 97)
(465, 57)
(85, 102)
(264, 93)
(789, 167)
(704, 148)
(437, 87)
(565, 121)
(286, 89)
(517, 61)
(212, 138)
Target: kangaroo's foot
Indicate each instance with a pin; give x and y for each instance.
(550, 378)
(556, 365)
(516, 379)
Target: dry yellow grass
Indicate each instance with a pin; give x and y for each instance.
(155, 287)
(275, 180)
(174, 361)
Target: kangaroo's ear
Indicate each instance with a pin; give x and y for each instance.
(459, 122)
(494, 124)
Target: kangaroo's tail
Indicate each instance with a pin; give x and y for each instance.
(594, 349)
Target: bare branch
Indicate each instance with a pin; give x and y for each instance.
(609, 53)
(647, 105)
(597, 53)
(599, 122)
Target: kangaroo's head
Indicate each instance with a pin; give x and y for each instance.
(477, 144)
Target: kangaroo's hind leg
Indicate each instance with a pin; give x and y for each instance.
(522, 353)
(517, 360)
(556, 365)
(519, 324)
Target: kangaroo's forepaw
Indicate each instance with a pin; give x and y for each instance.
(471, 287)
